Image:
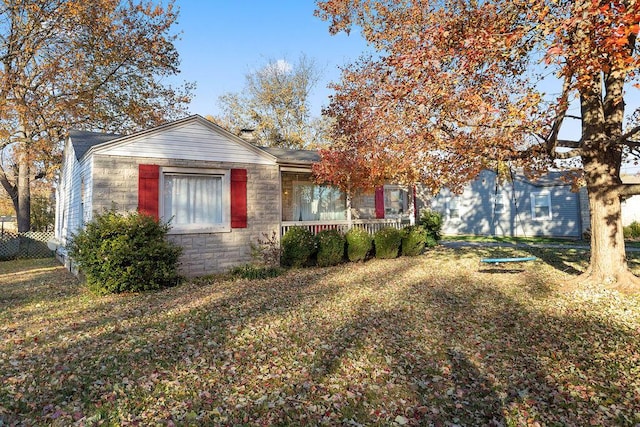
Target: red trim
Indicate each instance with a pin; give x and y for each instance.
(238, 198)
(379, 202)
(148, 189)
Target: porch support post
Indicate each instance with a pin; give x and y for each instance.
(412, 205)
(349, 220)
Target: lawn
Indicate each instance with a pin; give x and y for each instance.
(433, 340)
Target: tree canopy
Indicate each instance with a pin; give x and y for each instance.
(98, 65)
(458, 85)
(274, 103)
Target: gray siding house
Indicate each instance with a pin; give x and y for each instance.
(518, 207)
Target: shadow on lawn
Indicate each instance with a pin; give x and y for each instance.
(423, 339)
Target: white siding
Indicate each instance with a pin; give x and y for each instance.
(631, 210)
(68, 205)
(192, 140)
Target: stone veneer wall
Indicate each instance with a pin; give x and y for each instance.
(116, 181)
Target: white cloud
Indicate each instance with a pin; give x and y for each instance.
(278, 67)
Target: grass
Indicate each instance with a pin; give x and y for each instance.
(435, 339)
(509, 239)
(630, 243)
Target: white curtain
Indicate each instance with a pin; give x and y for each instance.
(193, 199)
(318, 203)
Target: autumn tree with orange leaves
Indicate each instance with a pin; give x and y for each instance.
(86, 64)
(456, 86)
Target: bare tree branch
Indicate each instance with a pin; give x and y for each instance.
(629, 189)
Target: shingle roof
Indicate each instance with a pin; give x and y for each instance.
(83, 140)
(293, 156)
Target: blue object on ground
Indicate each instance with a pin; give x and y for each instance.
(501, 260)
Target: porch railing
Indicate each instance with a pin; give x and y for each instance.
(370, 225)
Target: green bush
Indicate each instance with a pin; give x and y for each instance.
(387, 242)
(414, 239)
(255, 272)
(431, 221)
(298, 247)
(632, 231)
(125, 253)
(358, 244)
(330, 247)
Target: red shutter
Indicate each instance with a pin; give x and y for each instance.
(380, 202)
(238, 198)
(148, 189)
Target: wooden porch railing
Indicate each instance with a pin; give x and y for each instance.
(371, 225)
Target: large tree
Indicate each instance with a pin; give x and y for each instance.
(88, 64)
(459, 84)
(274, 103)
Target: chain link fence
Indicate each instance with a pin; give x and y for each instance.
(32, 244)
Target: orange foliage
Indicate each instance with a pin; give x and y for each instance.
(454, 87)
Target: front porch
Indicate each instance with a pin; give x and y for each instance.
(318, 207)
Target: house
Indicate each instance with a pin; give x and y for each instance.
(515, 207)
(219, 192)
(631, 205)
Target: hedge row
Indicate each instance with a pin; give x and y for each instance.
(301, 248)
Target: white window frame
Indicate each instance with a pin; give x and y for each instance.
(405, 201)
(222, 227)
(457, 202)
(536, 195)
(498, 200)
(312, 184)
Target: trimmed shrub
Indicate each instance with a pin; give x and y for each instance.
(125, 253)
(298, 247)
(431, 221)
(387, 242)
(414, 239)
(632, 231)
(330, 247)
(358, 244)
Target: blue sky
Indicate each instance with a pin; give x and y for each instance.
(223, 40)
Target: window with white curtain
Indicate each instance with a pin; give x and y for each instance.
(541, 205)
(195, 200)
(313, 202)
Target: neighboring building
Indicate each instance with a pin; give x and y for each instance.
(631, 205)
(219, 192)
(520, 208)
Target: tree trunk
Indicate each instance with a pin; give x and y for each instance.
(608, 263)
(23, 211)
(601, 159)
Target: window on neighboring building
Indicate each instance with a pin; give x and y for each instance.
(453, 207)
(498, 203)
(396, 201)
(313, 202)
(541, 205)
(195, 199)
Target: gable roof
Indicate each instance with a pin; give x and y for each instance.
(83, 140)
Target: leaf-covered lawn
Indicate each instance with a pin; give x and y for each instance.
(437, 339)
